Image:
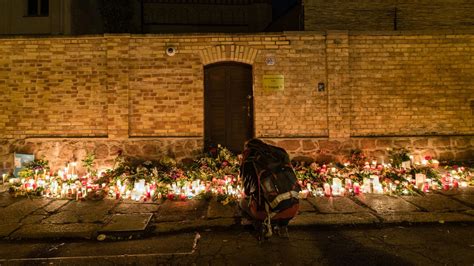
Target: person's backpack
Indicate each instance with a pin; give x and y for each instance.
(277, 182)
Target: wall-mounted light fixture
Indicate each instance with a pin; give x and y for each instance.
(321, 86)
(171, 50)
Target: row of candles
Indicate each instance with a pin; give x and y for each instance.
(372, 184)
(71, 186)
(68, 184)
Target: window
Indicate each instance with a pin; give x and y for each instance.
(37, 8)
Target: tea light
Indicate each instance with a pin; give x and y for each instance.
(336, 186)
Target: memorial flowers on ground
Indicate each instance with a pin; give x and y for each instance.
(216, 174)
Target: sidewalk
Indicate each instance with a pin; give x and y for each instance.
(39, 218)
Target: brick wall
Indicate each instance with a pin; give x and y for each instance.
(385, 15)
(412, 84)
(122, 92)
(52, 87)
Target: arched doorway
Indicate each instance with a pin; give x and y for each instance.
(228, 104)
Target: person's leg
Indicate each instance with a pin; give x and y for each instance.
(244, 205)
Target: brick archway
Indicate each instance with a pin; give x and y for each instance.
(236, 53)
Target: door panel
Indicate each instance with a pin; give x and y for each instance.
(228, 105)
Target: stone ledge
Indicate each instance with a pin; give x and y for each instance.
(169, 227)
(334, 219)
(41, 231)
(218, 210)
(7, 229)
(426, 217)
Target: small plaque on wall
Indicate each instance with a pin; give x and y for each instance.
(273, 82)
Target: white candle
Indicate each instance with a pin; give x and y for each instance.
(336, 186)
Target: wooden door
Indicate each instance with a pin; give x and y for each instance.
(228, 107)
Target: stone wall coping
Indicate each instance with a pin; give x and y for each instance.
(412, 136)
(411, 32)
(260, 34)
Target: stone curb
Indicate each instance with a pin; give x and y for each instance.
(175, 217)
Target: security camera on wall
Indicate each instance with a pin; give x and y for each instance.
(171, 50)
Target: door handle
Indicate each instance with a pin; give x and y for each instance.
(249, 99)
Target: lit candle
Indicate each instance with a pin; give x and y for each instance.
(327, 189)
(366, 185)
(420, 180)
(336, 186)
(356, 188)
(319, 191)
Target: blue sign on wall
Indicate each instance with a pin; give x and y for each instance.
(21, 160)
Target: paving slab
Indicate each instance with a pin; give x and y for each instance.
(457, 191)
(127, 208)
(181, 210)
(6, 199)
(127, 222)
(336, 205)
(15, 212)
(33, 219)
(219, 210)
(469, 212)
(306, 206)
(467, 199)
(41, 231)
(436, 203)
(7, 229)
(426, 217)
(384, 203)
(309, 219)
(55, 205)
(83, 212)
(168, 227)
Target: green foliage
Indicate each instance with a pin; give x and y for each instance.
(88, 163)
(397, 156)
(38, 166)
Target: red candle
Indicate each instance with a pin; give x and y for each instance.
(356, 188)
(426, 187)
(455, 184)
